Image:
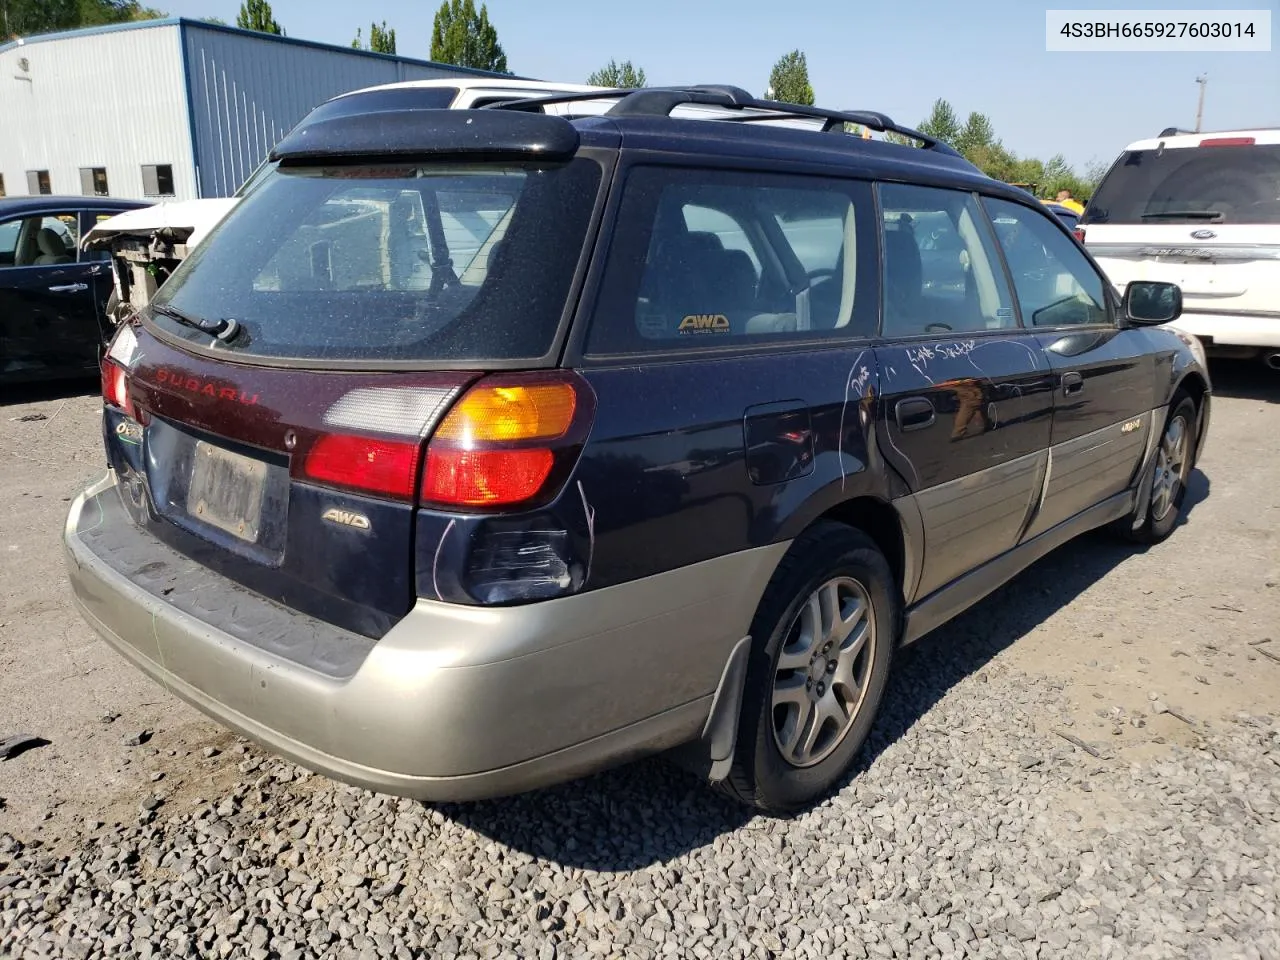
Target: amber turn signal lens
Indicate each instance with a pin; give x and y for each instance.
(505, 414)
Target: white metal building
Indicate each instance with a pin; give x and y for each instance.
(166, 108)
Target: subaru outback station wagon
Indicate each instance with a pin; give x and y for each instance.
(477, 450)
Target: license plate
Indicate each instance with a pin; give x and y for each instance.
(226, 490)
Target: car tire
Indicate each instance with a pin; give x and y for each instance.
(1170, 468)
(814, 685)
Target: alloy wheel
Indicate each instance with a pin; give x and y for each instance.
(1171, 464)
(822, 673)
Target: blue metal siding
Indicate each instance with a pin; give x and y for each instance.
(247, 92)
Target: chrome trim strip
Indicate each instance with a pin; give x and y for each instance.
(1188, 252)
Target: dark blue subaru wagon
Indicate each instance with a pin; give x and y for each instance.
(476, 450)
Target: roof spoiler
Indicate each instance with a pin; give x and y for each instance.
(406, 131)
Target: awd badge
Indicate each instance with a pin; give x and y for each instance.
(346, 518)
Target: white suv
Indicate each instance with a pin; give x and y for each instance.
(1201, 210)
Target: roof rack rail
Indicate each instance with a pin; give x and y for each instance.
(661, 101)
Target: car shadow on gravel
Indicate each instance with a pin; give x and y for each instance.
(1245, 380)
(42, 391)
(652, 811)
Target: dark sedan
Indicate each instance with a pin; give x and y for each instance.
(52, 293)
(1065, 214)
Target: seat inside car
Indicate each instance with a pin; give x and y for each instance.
(690, 272)
(903, 279)
(53, 249)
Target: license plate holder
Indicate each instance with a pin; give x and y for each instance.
(226, 490)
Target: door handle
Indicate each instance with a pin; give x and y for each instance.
(914, 413)
(1072, 383)
(69, 288)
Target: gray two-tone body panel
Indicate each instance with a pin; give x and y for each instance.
(454, 701)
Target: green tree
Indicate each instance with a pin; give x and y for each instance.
(465, 38)
(257, 15)
(1093, 174)
(941, 124)
(381, 39)
(218, 20)
(977, 132)
(789, 80)
(613, 74)
(98, 12)
(27, 17)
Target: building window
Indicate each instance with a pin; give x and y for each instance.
(2, 193)
(38, 182)
(93, 182)
(157, 180)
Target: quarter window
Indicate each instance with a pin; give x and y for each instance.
(941, 270)
(702, 259)
(1055, 284)
(157, 180)
(93, 181)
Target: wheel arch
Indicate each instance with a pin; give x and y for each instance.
(886, 526)
(1196, 386)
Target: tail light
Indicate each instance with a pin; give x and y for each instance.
(1228, 142)
(511, 440)
(385, 467)
(1079, 232)
(115, 386)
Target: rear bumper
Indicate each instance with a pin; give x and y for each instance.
(454, 703)
(1231, 329)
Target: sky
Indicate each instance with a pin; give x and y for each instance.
(896, 57)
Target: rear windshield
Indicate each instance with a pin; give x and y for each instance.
(1230, 184)
(399, 263)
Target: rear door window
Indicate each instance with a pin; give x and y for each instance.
(707, 259)
(401, 263)
(941, 271)
(1208, 184)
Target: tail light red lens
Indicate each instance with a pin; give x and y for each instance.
(1079, 232)
(502, 443)
(483, 478)
(1228, 142)
(115, 386)
(383, 467)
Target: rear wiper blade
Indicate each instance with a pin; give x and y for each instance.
(1184, 215)
(223, 330)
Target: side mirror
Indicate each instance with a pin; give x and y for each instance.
(1149, 303)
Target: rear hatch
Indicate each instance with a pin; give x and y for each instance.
(1201, 212)
(268, 414)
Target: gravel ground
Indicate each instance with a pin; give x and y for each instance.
(1087, 764)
